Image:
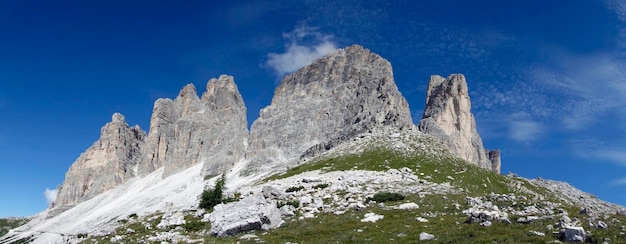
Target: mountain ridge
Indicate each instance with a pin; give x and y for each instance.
(337, 108)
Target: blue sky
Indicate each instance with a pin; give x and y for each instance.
(546, 78)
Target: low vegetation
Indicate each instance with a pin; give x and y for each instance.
(386, 197)
(293, 203)
(295, 188)
(9, 223)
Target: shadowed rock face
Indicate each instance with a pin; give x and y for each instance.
(323, 104)
(447, 116)
(109, 162)
(188, 130)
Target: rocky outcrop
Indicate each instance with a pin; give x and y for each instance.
(323, 104)
(447, 116)
(109, 162)
(251, 213)
(189, 130)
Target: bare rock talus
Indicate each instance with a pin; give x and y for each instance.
(323, 104)
(447, 116)
(189, 130)
(109, 162)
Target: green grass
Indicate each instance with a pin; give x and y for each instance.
(401, 226)
(446, 221)
(10, 223)
(466, 176)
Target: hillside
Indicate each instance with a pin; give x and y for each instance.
(444, 196)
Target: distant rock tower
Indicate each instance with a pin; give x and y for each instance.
(447, 116)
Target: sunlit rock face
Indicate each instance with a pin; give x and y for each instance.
(323, 104)
(189, 130)
(109, 162)
(447, 116)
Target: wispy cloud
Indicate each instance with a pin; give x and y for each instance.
(600, 150)
(306, 44)
(618, 182)
(522, 128)
(619, 7)
(590, 86)
(51, 196)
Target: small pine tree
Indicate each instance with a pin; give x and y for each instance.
(212, 197)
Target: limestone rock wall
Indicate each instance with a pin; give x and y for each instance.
(323, 104)
(447, 116)
(109, 162)
(189, 130)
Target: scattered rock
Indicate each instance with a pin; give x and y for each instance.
(421, 220)
(407, 206)
(602, 225)
(426, 236)
(171, 219)
(287, 210)
(248, 237)
(572, 234)
(372, 217)
(271, 192)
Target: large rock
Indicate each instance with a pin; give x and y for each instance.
(447, 116)
(251, 213)
(189, 130)
(323, 104)
(109, 162)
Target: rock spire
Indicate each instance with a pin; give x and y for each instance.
(109, 162)
(447, 116)
(188, 130)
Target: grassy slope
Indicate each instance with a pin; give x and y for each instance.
(400, 225)
(10, 223)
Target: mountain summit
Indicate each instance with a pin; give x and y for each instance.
(337, 97)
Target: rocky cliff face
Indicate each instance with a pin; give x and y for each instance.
(447, 116)
(109, 162)
(188, 130)
(323, 104)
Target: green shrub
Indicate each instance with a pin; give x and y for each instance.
(294, 203)
(212, 197)
(133, 215)
(320, 186)
(295, 188)
(386, 197)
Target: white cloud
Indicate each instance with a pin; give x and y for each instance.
(523, 129)
(51, 195)
(305, 45)
(618, 182)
